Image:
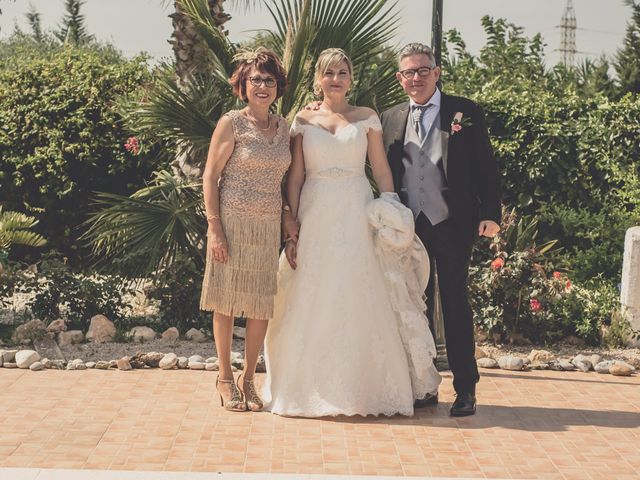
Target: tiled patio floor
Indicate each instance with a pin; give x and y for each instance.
(528, 425)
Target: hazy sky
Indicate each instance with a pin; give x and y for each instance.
(143, 25)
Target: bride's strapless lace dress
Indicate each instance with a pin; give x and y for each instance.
(333, 346)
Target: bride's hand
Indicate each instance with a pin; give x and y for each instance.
(217, 243)
(291, 252)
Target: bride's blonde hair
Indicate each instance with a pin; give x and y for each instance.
(328, 58)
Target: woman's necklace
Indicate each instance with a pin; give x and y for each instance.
(255, 122)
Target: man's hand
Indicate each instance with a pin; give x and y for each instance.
(315, 105)
(488, 228)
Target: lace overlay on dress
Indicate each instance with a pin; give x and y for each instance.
(250, 206)
(333, 346)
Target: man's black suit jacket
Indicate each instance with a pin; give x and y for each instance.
(470, 168)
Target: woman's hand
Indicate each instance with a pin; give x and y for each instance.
(290, 227)
(291, 252)
(217, 242)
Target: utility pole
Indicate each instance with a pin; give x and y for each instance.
(436, 30)
(568, 27)
(438, 321)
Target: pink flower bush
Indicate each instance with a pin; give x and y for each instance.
(132, 145)
(497, 264)
(535, 305)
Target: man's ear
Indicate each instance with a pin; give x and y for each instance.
(437, 71)
(399, 77)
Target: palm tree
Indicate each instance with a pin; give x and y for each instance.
(73, 28)
(15, 230)
(33, 17)
(183, 114)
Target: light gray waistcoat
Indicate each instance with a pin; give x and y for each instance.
(424, 181)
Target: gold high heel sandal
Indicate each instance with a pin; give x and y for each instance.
(252, 399)
(236, 402)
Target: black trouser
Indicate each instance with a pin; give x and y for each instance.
(452, 254)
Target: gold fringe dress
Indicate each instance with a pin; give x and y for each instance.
(250, 211)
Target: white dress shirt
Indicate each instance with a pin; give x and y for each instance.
(431, 113)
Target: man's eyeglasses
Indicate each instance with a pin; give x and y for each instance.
(269, 82)
(422, 72)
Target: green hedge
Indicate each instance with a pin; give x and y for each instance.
(60, 136)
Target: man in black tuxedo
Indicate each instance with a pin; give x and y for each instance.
(443, 169)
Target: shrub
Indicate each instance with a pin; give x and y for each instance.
(52, 291)
(61, 138)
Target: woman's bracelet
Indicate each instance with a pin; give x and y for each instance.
(212, 216)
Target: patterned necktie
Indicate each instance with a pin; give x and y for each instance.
(418, 112)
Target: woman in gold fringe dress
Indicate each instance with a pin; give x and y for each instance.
(248, 157)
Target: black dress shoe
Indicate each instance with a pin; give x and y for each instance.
(464, 405)
(428, 400)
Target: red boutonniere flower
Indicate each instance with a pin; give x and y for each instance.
(458, 122)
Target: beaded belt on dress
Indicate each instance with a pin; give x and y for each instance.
(336, 172)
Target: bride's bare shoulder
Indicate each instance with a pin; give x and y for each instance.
(306, 116)
(363, 113)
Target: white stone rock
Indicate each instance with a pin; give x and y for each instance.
(510, 362)
(170, 335)
(81, 366)
(71, 337)
(196, 358)
(541, 356)
(487, 362)
(183, 362)
(196, 365)
(77, 361)
(261, 366)
(24, 358)
(46, 363)
(90, 364)
(71, 366)
(57, 326)
(29, 331)
(36, 366)
(539, 366)
(9, 356)
(142, 334)
(211, 367)
(102, 365)
(1, 359)
(10, 365)
(239, 332)
(595, 359)
(124, 364)
(630, 290)
(566, 365)
(480, 353)
(169, 361)
(194, 335)
(622, 369)
(211, 360)
(237, 359)
(582, 363)
(101, 330)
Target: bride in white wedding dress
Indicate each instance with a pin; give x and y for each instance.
(334, 346)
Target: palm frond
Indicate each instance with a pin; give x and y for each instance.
(180, 115)
(15, 230)
(160, 221)
(361, 27)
